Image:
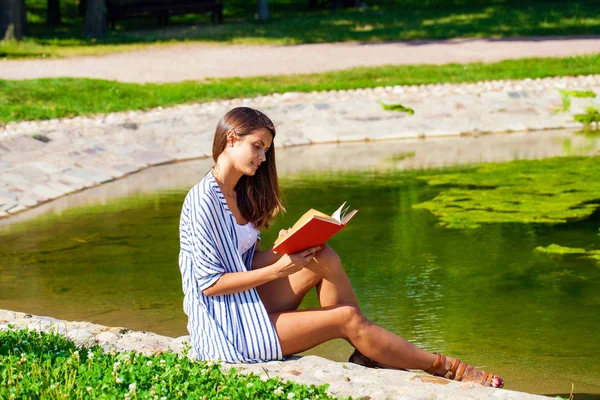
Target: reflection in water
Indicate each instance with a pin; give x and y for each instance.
(482, 295)
(427, 293)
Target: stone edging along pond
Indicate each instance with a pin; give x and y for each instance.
(344, 379)
(45, 160)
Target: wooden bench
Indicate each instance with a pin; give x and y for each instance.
(163, 9)
(334, 4)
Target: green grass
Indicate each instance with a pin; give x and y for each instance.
(68, 97)
(48, 366)
(292, 22)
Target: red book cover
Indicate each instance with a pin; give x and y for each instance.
(312, 229)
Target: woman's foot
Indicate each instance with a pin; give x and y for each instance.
(359, 358)
(454, 369)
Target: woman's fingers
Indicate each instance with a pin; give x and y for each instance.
(308, 254)
(283, 232)
(297, 260)
(311, 250)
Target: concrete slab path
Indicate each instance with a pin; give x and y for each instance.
(199, 61)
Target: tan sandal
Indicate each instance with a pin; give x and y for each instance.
(456, 372)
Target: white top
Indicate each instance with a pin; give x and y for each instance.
(233, 327)
(247, 235)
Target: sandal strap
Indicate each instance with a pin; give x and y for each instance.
(457, 371)
(490, 380)
(440, 359)
(461, 370)
(486, 380)
(452, 372)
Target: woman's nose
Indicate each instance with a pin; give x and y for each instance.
(262, 155)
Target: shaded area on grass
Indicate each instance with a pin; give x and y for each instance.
(292, 22)
(68, 97)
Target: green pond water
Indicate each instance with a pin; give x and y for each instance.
(483, 295)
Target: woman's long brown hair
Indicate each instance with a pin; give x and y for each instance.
(258, 196)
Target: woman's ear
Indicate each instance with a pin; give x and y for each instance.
(231, 138)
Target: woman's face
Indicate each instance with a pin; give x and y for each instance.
(249, 151)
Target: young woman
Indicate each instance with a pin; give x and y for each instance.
(242, 303)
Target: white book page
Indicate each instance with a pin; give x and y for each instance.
(337, 215)
(348, 216)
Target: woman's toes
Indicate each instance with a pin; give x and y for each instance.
(473, 374)
(497, 382)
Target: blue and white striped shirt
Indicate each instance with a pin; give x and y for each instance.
(234, 327)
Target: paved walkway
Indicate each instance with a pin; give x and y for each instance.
(199, 61)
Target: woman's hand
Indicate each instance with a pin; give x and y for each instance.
(283, 232)
(291, 263)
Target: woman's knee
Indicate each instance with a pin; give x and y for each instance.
(329, 257)
(352, 320)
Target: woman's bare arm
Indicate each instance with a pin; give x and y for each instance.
(263, 258)
(235, 282)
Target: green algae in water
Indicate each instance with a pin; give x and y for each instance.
(589, 132)
(399, 157)
(591, 115)
(551, 191)
(566, 95)
(557, 249)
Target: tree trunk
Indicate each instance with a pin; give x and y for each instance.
(262, 10)
(53, 12)
(95, 18)
(82, 7)
(24, 18)
(13, 20)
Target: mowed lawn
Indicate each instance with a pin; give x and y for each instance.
(68, 97)
(293, 22)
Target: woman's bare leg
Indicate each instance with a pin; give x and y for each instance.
(334, 287)
(325, 272)
(302, 330)
(340, 317)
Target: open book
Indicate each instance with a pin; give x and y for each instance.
(312, 229)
